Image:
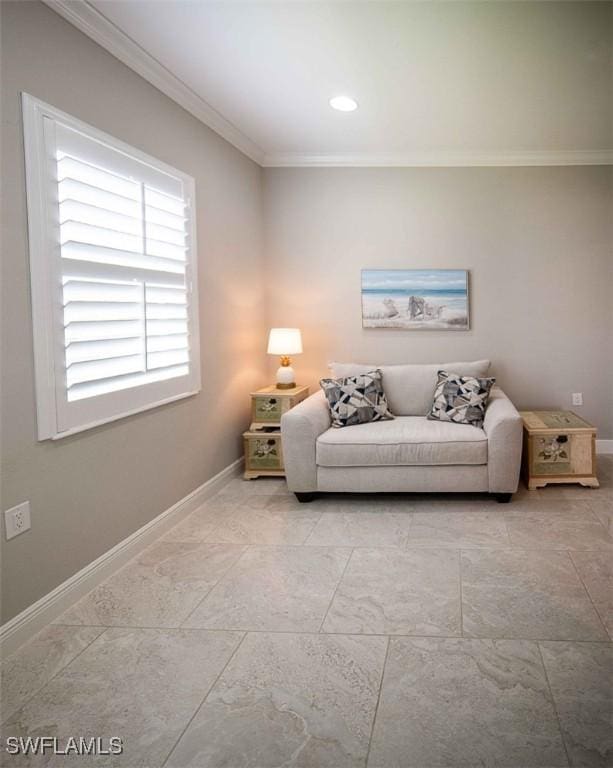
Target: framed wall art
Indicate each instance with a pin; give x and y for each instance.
(415, 299)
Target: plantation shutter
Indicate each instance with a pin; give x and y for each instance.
(124, 305)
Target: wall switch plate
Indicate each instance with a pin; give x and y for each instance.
(17, 520)
(577, 398)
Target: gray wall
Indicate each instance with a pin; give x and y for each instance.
(537, 242)
(90, 491)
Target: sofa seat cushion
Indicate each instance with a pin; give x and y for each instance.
(406, 441)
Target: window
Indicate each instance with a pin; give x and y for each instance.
(113, 273)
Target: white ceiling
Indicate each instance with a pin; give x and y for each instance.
(436, 82)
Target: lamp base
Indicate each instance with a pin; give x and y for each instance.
(285, 377)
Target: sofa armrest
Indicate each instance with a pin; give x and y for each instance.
(503, 427)
(300, 429)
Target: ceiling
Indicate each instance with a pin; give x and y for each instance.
(437, 83)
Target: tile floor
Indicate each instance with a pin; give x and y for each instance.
(394, 632)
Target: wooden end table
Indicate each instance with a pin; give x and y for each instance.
(263, 450)
(559, 447)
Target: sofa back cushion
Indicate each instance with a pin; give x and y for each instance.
(409, 388)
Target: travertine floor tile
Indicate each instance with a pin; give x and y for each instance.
(289, 700)
(581, 680)
(393, 591)
(274, 588)
(283, 502)
(576, 492)
(460, 703)
(604, 512)
(141, 685)
(458, 529)
(28, 669)
(596, 572)
(575, 528)
(240, 562)
(266, 526)
(365, 502)
(525, 594)
(160, 588)
(454, 502)
(202, 521)
(523, 494)
(534, 501)
(361, 529)
(263, 486)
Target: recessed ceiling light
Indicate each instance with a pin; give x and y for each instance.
(343, 103)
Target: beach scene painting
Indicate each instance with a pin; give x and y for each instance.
(415, 299)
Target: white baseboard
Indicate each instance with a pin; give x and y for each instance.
(604, 446)
(31, 620)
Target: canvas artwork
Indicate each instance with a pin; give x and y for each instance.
(415, 299)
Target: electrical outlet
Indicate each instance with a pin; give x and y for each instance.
(577, 398)
(17, 520)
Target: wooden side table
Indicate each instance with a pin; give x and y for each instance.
(559, 447)
(262, 441)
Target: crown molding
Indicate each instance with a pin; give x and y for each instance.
(443, 158)
(95, 25)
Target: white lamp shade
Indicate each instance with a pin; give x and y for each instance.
(284, 341)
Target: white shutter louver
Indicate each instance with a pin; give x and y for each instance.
(126, 317)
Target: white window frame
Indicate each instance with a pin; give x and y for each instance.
(44, 249)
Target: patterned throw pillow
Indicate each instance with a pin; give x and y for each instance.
(356, 399)
(461, 399)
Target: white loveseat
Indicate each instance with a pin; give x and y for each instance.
(408, 453)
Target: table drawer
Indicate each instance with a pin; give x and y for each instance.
(268, 409)
(562, 454)
(263, 451)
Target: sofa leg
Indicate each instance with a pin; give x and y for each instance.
(304, 498)
(503, 498)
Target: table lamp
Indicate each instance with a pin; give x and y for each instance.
(285, 342)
